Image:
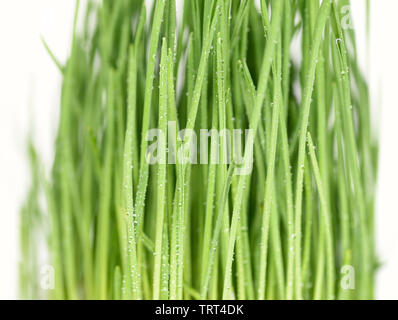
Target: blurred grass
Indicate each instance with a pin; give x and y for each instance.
(120, 228)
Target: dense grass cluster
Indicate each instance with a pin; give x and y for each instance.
(302, 220)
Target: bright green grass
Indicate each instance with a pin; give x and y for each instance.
(118, 227)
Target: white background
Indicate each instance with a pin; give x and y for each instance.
(29, 94)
